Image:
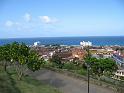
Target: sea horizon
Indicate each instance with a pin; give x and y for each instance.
(58, 37)
(70, 40)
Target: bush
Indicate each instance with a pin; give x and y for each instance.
(81, 72)
(70, 66)
(122, 78)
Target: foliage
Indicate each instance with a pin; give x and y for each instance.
(21, 56)
(122, 78)
(5, 55)
(9, 84)
(100, 66)
(81, 71)
(57, 60)
(69, 66)
(34, 61)
(15, 51)
(77, 62)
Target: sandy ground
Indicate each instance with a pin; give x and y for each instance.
(67, 84)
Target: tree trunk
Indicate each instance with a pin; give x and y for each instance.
(20, 76)
(99, 79)
(5, 66)
(20, 72)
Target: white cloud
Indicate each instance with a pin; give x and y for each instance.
(47, 19)
(27, 17)
(26, 24)
(9, 23)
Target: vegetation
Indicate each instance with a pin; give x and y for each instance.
(9, 84)
(70, 66)
(57, 61)
(5, 55)
(15, 60)
(100, 67)
(21, 57)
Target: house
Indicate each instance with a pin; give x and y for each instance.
(119, 74)
(101, 52)
(78, 53)
(119, 58)
(65, 52)
(65, 55)
(45, 52)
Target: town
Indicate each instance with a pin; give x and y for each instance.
(78, 52)
(62, 46)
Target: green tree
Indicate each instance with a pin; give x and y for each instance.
(5, 55)
(57, 60)
(108, 65)
(1, 55)
(19, 54)
(100, 66)
(21, 57)
(34, 61)
(14, 52)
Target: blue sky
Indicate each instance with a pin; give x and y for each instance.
(58, 18)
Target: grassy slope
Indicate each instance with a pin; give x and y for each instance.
(10, 84)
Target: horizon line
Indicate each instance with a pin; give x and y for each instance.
(59, 37)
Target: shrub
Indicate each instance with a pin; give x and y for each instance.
(81, 72)
(69, 66)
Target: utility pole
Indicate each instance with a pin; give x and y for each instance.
(88, 66)
(88, 77)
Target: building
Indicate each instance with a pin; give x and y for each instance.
(78, 53)
(45, 52)
(101, 52)
(84, 44)
(36, 43)
(119, 74)
(119, 58)
(65, 55)
(65, 52)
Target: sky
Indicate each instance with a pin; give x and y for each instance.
(59, 18)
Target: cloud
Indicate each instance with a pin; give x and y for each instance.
(9, 23)
(27, 24)
(48, 20)
(27, 17)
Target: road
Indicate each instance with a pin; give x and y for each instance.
(67, 84)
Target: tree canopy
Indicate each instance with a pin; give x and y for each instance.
(100, 66)
(21, 56)
(57, 60)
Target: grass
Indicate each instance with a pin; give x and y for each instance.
(10, 84)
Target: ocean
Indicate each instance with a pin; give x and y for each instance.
(96, 40)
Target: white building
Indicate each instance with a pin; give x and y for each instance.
(36, 43)
(119, 74)
(84, 44)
